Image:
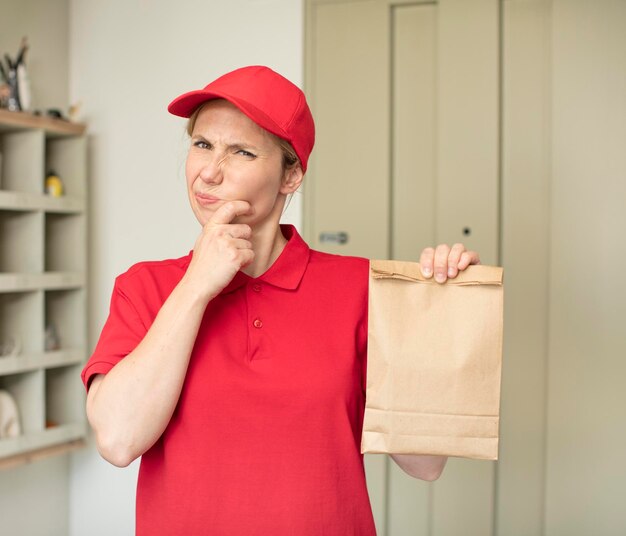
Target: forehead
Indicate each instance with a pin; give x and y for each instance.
(221, 116)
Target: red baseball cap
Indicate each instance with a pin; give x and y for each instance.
(266, 97)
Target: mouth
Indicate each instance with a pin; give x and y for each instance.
(204, 199)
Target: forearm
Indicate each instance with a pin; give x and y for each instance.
(131, 406)
(424, 467)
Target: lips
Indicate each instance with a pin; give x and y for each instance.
(205, 199)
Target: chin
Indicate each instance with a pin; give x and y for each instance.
(202, 218)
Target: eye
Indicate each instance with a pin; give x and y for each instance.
(201, 144)
(245, 153)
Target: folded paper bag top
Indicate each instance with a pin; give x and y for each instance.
(434, 361)
(478, 274)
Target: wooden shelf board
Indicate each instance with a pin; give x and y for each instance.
(39, 454)
(21, 282)
(46, 360)
(34, 441)
(24, 201)
(52, 126)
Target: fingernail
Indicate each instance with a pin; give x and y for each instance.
(440, 277)
(450, 272)
(427, 272)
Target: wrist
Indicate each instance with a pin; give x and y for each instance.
(193, 293)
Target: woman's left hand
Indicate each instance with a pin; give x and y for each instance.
(445, 261)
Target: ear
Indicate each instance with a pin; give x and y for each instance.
(292, 179)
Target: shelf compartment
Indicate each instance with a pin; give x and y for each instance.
(65, 242)
(47, 281)
(65, 310)
(27, 389)
(68, 158)
(21, 320)
(22, 161)
(42, 439)
(45, 360)
(65, 396)
(24, 201)
(21, 241)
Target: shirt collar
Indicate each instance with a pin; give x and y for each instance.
(287, 270)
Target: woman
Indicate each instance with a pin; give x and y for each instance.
(237, 372)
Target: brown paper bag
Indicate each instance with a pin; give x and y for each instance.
(433, 362)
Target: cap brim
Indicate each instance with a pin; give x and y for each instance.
(186, 104)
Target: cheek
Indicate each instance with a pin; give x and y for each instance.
(266, 189)
(189, 171)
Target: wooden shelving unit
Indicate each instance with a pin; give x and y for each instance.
(43, 266)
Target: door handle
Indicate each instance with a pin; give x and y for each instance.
(339, 237)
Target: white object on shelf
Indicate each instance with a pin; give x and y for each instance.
(23, 85)
(10, 347)
(9, 417)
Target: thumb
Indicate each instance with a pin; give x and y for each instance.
(230, 210)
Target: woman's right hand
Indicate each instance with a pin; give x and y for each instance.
(221, 250)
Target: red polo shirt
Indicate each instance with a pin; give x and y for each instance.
(266, 434)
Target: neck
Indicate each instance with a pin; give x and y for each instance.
(268, 243)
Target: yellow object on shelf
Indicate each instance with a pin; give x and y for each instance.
(54, 185)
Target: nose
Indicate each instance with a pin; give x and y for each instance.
(211, 171)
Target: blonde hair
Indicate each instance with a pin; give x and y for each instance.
(290, 157)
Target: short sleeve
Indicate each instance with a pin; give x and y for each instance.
(122, 332)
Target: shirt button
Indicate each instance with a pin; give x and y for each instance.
(256, 287)
(257, 323)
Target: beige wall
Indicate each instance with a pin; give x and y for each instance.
(526, 186)
(564, 131)
(586, 417)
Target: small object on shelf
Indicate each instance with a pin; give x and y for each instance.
(51, 342)
(55, 113)
(23, 82)
(16, 77)
(74, 111)
(10, 347)
(54, 184)
(5, 90)
(9, 416)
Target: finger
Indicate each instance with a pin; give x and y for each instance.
(454, 258)
(240, 243)
(230, 210)
(467, 258)
(247, 256)
(238, 251)
(427, 261)
(239, 230)
(441, 262)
